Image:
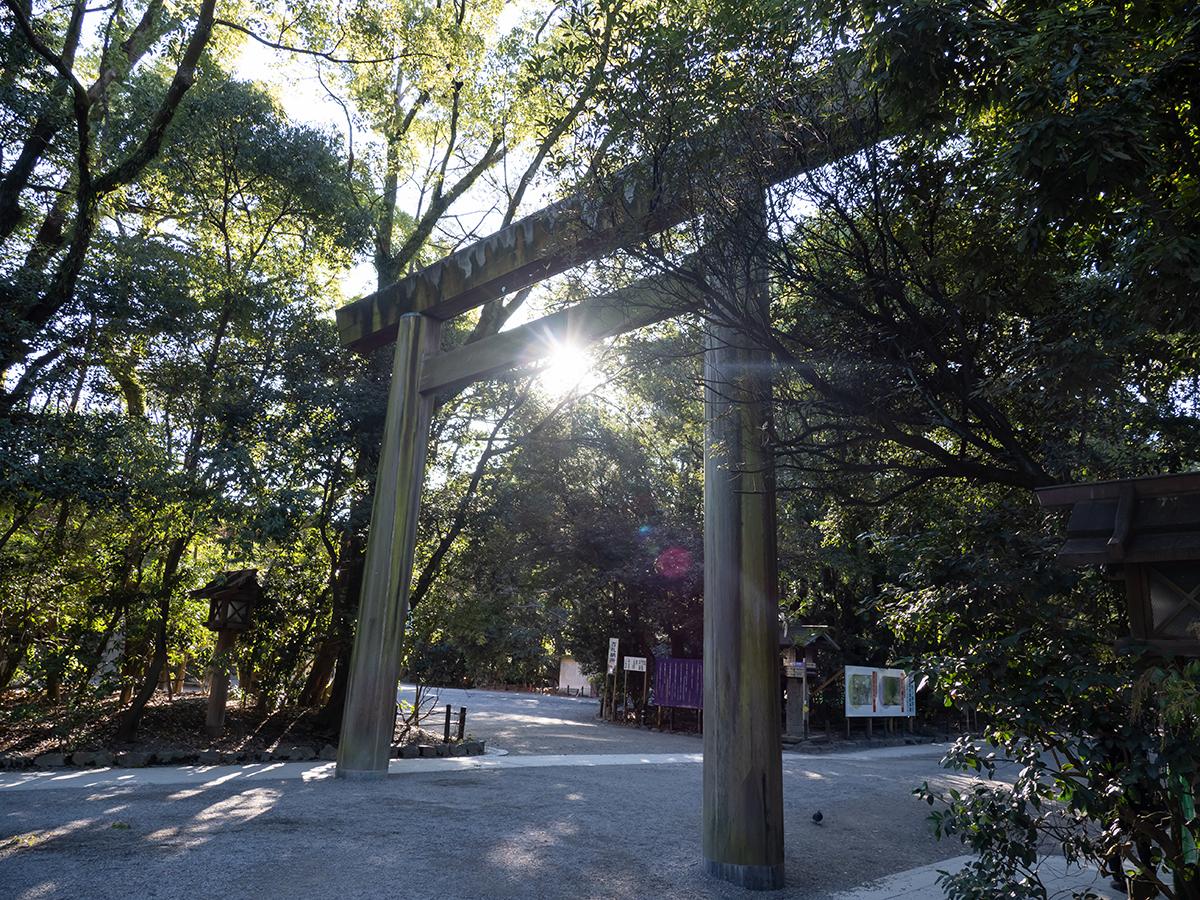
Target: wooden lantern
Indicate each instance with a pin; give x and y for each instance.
(1145, 531)
(798, 647)
(231, 598)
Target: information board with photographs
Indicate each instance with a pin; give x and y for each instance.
(880, 692)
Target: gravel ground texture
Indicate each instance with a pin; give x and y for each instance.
(573, 825)
(582, 831)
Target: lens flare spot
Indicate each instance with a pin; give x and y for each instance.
(674, 562)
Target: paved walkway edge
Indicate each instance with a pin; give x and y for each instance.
(1060, 878)
(212, 776)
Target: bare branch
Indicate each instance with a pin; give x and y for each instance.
(328, 55)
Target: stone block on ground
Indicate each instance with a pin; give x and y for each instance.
(409, 751)
(50, 760)
(329, 753)
(301, 752)
(474, 748)
(134, 759)
(442, 749)
(427, 750)
(208, 758)
(458, 750)
(97, 758)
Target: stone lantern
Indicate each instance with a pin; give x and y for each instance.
(231, 600)
(1145, 532)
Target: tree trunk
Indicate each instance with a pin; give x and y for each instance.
(348, 584)
(132, 719)
(133, 716)
(11, 658)
(319, 674)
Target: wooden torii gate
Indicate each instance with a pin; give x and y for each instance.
(743, 791)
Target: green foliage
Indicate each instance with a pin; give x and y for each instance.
(996, 293)
(586, 527)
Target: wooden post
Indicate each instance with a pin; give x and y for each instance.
(366, 737)
(462, 721)
(804, 698)
(446, 732)
(218, 693)
(743, 777)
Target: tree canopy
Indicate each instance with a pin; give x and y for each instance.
(995, 290)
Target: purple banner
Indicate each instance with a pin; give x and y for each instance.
(679, 682)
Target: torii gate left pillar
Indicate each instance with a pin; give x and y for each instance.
(370, 714)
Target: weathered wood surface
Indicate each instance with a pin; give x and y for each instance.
(643, 303)
(743, 778)
(565, 234)
(1150, 486)
(1131, 521)
(370, 712)
(218, 691)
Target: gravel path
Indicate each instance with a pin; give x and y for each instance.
(548, 723)
(579, 808)
(569, 831)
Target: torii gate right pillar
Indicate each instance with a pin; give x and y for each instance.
(743, 777)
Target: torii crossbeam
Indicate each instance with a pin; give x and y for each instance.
(743, 793)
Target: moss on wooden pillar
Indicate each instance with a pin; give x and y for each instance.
(370, 713)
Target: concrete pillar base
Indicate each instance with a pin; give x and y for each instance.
(361, 774)
(754, 878)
